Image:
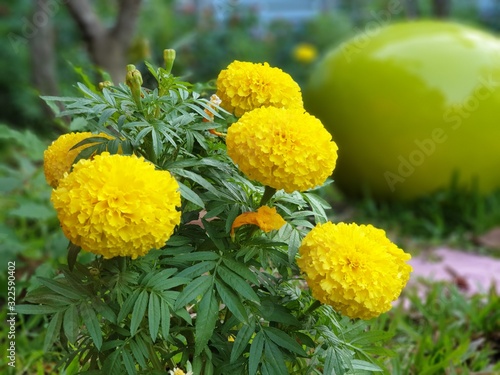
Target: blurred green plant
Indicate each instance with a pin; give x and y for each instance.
(453, 214)
(438, 329)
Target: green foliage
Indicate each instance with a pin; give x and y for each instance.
(218, 301)
(441, 215)
(438, 329)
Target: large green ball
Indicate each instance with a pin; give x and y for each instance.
(409, 105)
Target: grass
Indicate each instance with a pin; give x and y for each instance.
(439, 330)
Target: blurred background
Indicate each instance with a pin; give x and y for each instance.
(49, 45)
(47, 42)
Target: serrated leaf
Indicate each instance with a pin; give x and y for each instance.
(53, 331)
(239, 285)
(197, 256)
(165, 319)
(38, 309)
(274, 357)
(283, 340)
(105, 115)
(60, 287)
(206, 318)
(113, 365)
(333, 362)
(128, 304)
(241, 270)
(195, 288)
(190, 195)
(197, 269)
(154, 315)
(71, 323)
(359, 364)
(241, 341)
(135, 347)
(158, 276)
(91, 322)
(128, 361)
(232, 302)
(256, 351)
(138, 312)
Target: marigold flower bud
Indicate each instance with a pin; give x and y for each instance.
(169, 58)
(134, 81)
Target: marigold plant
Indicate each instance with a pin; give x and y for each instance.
(244, 86)
(191, 225)
(282, 148)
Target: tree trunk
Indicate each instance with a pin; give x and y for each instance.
(107, 46)
(441, 8)
(43, 56)
(412, 10)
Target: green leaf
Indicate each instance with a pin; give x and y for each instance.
(165, 319)
(128, 304)
(283, 340)
(255, 355)
(318, 205)
(92, 323)
(158, 277)
(293, 244)
(154, 315)
(71, 323)
(239, 285)
(194, 289)
(206, 318)
(333, 362)
(197, 256)
(171, 283)
(128, 361)
(138, 312)
(38, 309)
(274, 358)
(113, 365)
(60, 287)
(197, 269)
(31, 210)
(359, 364)
(232, 301)
(241, 270)
(53, 331)
(241, 341)
(136, 348)
(190, 195)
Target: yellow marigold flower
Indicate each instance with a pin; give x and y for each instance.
(116, 205)
(58, 157)
(354, 268)
(305, 53)
(244, 86)
(266, 218)
(282, 148)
